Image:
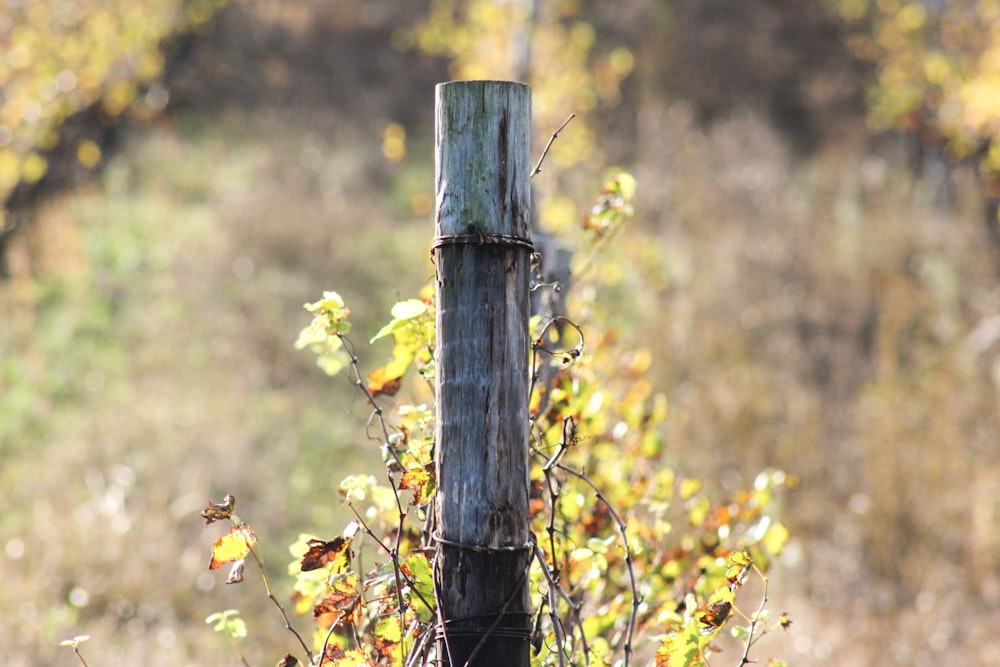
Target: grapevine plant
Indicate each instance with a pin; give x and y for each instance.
(633, 562)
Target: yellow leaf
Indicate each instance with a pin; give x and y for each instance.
(740, 558)
(689, 487)
(775, 538)
(232, 547)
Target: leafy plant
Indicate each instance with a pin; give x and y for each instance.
(623, 544)
(74, 644)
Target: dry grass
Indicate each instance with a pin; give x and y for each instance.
(159, 373)
(826, 317)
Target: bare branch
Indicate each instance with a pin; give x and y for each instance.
(538, 166)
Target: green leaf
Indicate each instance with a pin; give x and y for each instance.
(402, 313)
(75, 641)
(421, 599)
(388, 634)
(354, 488)
(407, 310)
(228, 622)
(331, 302)
(622, 184)
(322, 335)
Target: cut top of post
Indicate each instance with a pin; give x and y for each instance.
(482, 165)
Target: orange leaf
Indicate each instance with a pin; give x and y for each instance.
(219, 511)
(715, 614)
(321, 554)
(422, 481)
(380, 383)
(352, 658)
(342, 599)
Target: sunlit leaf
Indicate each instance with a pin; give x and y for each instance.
(352, 658)
(775, 538)
(739, 565)
(387, 637)
(229, 623)
(422, 481)
(334, 555)
(418, 569)
(75, 640)
(402, 312)
(341, 599)
(380, 383)
(689, 487)
(232, 547)
(681, 649)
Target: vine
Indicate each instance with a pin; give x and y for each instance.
(622, 545)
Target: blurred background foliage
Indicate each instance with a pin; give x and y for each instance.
(810, 277)
(61, 58)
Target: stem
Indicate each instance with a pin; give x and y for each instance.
(636, 600)
(326, 643)
(538, 167)
(76, 650)
(239, 651)
(284, 615)
(554, 588)
(754, 622)
(377, 413)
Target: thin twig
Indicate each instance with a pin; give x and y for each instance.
(554, 588)
(236, 647)
(76, 650)
(389, 553)
(599, 247)
(377, 412)
(567, 356)
(538, 167)
(281, 609)
(636, 600)
(754, 621)
(440, 614)
(420, 647)
(326, 643)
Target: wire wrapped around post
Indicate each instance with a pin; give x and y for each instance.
(481, 239)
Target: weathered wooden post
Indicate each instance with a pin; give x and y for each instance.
(483, 254)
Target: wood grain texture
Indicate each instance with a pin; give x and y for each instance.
(482, 178)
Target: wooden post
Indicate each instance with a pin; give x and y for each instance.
(483, 252)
